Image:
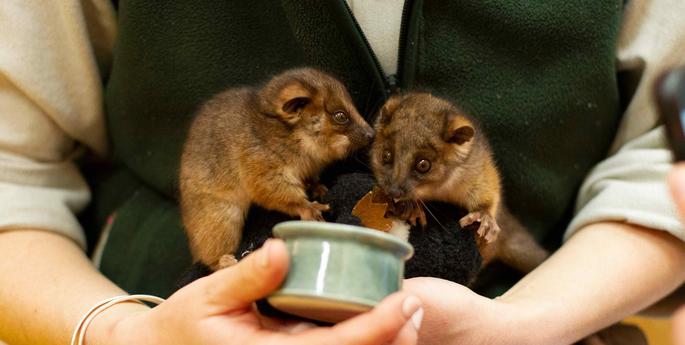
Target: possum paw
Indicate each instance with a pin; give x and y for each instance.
(410, 211)
(227, 260)
(488, 229)
(313, 211)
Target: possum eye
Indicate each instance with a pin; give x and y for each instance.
(341, 118)
(387, 157)
(423, 166)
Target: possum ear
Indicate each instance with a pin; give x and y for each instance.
(285, 98)
(459, 129)
(385, 114)
(291, 99)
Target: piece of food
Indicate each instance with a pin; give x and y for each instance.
(371, 210)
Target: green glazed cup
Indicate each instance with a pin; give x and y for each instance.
(337, 270)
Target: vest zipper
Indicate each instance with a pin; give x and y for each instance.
(404, 25)
(390, 84)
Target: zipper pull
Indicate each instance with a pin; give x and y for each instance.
(393, 84)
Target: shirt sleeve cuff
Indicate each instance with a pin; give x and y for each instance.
(630, 187)
(44, 197)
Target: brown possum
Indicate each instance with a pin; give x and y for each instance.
(265, 146)
(426, 149)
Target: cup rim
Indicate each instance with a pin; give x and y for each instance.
(303, 228)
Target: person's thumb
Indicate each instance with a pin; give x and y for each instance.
(396, 320)
(254, 277)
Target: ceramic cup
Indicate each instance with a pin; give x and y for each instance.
(337, 270)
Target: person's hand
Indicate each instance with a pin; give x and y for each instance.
(457, 315)
(218, 309)
(676, 182)
(547, 306)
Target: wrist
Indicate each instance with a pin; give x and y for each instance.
(497, 322)
(521, 323)
(507, 323)
(539, 321)
(109, 326)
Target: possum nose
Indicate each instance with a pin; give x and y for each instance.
(369, 134)
(395, 192)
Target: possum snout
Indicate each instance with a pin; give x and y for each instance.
(361, 135)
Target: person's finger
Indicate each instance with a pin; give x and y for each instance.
(283, 325)
(254, 277)
(676, 181)
(381, 325)
(298, 327)
(679, 327)
(408, 335)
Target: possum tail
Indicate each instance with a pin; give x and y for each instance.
(516, 246)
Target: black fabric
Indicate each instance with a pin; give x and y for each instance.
(443, 250)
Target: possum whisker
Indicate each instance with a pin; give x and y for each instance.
(432, 215)
(361, 161)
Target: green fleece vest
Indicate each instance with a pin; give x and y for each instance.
(540, 77)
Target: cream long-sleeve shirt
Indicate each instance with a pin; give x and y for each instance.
(53, 53)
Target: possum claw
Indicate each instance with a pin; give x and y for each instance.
(311, 214)
(417, 215)
(410, 211)
(488, 229)
(320, 207)
(313, 211)
(227, 260)
(422, 217)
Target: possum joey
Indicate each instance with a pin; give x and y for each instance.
(265, 145)
(426, 149)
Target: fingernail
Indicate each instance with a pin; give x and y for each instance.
(301, 327)
(411, 308)
(264, 256)
(417, 318)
